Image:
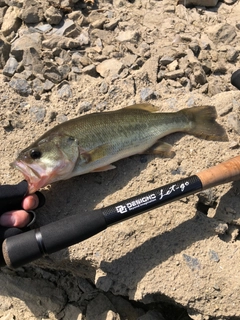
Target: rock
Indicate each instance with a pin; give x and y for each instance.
(128, 36)
(64, 91)
(48, 85)
(85, 106)
(37, 113)
(109, 68)
(199, 75)
(53, 15)
(21, 86)
(232, 55)
(174, 74)
(38, 87)
(4, 51)
(165, 60)
(234, 122)
(173, 65)
(72, 312)
(32, 11)
(56, 41)
(32, 61)
(52, 73)
(66, 28)
(147, 94)
(152, 315)
(31, 41)
(111, 24)
(10, 67)
(224, 33)
(11, 21)
(98, 308)
(90, 69)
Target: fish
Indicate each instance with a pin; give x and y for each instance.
(92, 142)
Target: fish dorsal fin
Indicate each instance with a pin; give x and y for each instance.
(143, 106)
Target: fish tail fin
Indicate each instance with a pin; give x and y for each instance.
(203, 123)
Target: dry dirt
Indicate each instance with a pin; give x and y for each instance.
(181, 258)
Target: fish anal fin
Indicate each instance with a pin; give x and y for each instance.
(143, 106)
(162, 149)
(94, 154)
(104, 168)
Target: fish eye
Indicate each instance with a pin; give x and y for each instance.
(35, 154)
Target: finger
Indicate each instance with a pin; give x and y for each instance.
(15, 218)
(30, 202)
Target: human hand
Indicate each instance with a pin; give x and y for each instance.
(15, 210)
(20, 218)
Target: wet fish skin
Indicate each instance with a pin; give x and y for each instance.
(92, 142)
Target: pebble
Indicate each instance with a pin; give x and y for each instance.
(53, 15)
(147, 94)
(64, 91)
(109, 68)
(90, 69)
(174, 74)
(128, 36)
(21, 86)
(10, 67)
(11, 21)
(165, 60)
(37, 113)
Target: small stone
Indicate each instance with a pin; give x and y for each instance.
(67, 28)
(232, 55)
(174, 74)
(90, 70)
(109, 68)
(199, 75)
(37, 86)
(21, 86)
(165, 60)
(213, 256)
(234, 122)
(32, 11)
(48, 85)
(193, 263)
(4, 51)
(173, 65)
(221, 33)
(11, 22)
(85, 106)
(37, 113)
(10, 67)
(83, 39)
(111, 25)
(128, 36)
(53, 15)
(104, 87)
(221, 228)
(52, 73)
(147, 94)
(64, 91)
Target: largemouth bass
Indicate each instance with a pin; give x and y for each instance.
(93, 142)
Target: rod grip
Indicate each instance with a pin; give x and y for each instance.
(224, 172)
(29, 246)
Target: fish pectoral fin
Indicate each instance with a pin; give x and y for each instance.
(94, 154)
(162, 149)
(143, 106)
(104, 168)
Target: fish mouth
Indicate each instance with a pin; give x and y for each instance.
(34, 178)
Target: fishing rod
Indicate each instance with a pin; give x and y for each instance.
(23, 248)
